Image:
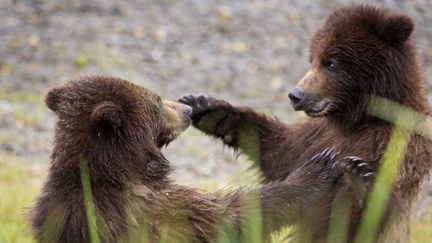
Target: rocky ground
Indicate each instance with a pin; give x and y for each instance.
(248, 52)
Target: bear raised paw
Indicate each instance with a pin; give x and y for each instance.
(360, 174)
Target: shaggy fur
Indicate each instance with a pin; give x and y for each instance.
(117, 128)
(359, 52)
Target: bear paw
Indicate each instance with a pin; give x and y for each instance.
(202, 103)
(323, 164)
(355, 166)
(207, 113)
(359, 172)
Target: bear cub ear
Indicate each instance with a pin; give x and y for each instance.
(107, 116)
(53, 98)
(397, 29)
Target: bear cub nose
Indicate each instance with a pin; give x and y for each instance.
(296, 96)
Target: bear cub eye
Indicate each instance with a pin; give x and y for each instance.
(330, 65)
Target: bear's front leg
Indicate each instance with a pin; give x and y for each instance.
(266, 141)
(304, 191)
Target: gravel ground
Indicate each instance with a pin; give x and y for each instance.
(248, 52)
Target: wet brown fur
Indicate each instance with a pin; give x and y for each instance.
(375, 56)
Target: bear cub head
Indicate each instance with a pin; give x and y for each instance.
(115, 125)
(358, 53)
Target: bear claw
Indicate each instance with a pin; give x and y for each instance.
(199, 102)
(357, 169)
(327, 155)
(325, 161)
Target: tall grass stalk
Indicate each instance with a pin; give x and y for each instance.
(88, 202)
(340, 220)
(404, 120)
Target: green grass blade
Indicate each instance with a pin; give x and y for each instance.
(340, 220)
(88, 202)
(404, 120)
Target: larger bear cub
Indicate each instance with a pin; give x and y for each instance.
(360, 52)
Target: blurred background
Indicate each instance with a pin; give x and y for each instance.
(247, 52)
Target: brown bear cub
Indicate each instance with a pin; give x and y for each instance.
(360, 52)
(116, 129)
